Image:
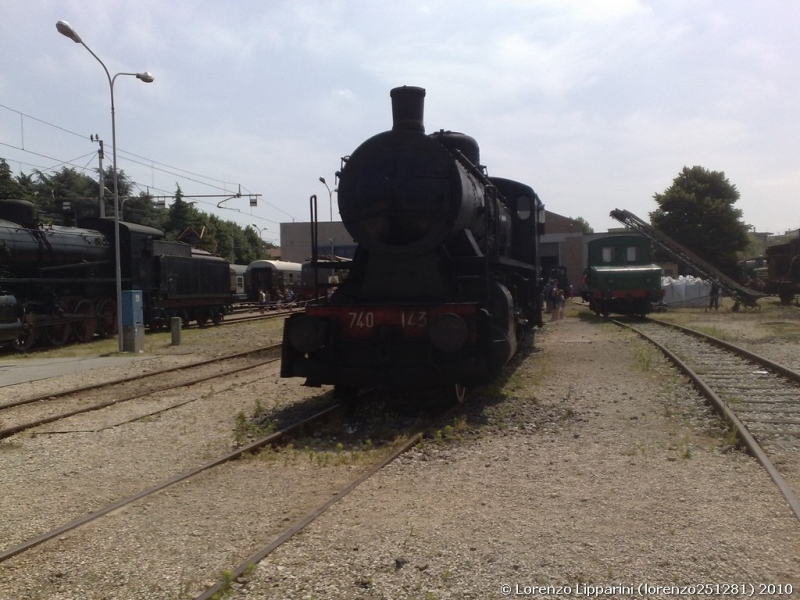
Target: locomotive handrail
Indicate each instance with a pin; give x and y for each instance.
(688, 258)
(80, 265)
(314, 241)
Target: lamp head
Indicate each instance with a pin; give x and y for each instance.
(145, 76)
(66, 29)
(322, 179)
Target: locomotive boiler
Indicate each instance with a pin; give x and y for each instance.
(445, 279)
(59, 282)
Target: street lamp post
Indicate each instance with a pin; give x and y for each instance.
(259, 230)
(66, 29)
(330, 195)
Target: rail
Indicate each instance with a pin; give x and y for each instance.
(706, 385)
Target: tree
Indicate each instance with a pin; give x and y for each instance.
(697, 211)
(582, 224)
(181, 216)
(10, 188)
(52, 190)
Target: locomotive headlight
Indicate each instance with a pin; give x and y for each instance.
(306, 333)
(449, 333)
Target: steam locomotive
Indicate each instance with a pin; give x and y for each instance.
(59, 282)
(445, 280)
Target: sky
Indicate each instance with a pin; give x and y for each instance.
(595, 104)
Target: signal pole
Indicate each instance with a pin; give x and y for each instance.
(96, 138)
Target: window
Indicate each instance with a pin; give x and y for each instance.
(631, 254)
(608, 254)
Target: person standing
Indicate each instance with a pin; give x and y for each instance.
(262, 301)
(713, 298)
(554, 303)
(548, 296)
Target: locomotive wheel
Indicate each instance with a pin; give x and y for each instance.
(459, 393)
(202, 317)
(106, 317)
(26, 339)
(84, 329)
(216, 318)
(58, 333)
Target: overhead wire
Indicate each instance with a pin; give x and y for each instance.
(58, 164)
(149, 164)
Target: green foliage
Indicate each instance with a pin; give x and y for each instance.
(643, 356)
(252, 427)
(697, 211)
(582, 224)
(10, 188)
(226, 588)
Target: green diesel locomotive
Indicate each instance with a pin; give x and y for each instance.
(621, 277)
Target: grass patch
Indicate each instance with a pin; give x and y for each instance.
(729, 436)
(227, 585)
(783, 331)
(155, 343)
(643, 357)
(252, 427)
(105, 347)
(716, 332)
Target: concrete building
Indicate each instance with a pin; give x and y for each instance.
(332, 238)
(563, 244)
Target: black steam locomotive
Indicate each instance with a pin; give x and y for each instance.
(445, 279)
(59, 282)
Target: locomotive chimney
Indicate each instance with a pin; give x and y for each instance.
(408, 107)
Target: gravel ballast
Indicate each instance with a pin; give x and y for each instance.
(589, 463)
(631, 485)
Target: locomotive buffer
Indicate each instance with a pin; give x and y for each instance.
(686, 257)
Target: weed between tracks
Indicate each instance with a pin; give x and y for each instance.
(716, 332)
(361, 437)
(227, 579)
(249, 428)
(643, 356)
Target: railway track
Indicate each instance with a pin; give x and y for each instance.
(247, 314)
(28, 413)
(757, 398)
(309, 496)
(252, 447)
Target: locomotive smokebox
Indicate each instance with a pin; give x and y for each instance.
(408, 108)
(403, 193)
